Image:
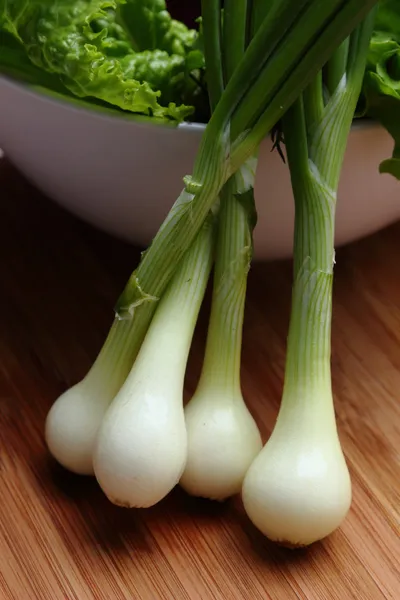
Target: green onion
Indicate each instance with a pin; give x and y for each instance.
(223, 438)
(298, 489)
(141, 445)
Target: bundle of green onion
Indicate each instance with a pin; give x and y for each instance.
(298, 64)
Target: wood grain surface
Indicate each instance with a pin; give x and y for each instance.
(60, 539)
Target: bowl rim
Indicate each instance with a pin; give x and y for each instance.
(95, 111)
(111, 115)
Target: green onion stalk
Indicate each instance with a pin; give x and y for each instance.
(290, 45)
(223, 438)
(294, 39)
(140, 449)
(298, 489)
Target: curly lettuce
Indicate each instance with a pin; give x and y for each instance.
(93, 50)
(380, 97)
(151, 27)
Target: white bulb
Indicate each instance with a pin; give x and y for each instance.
(298, 489)
(72, 424)
(223, 439)
(141, 447)
(140, 451)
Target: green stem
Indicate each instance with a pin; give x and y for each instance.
(315, 199)
(259, 11)
(284, 39)
(176, 317)
(217, 160)
(211, 17)
(336, 67)
(334, 126)
(267, 42)
(116, 357)
(315, 151)
(234, 34)
(307, 372)
(332, 31)
(221, 368)
(313, 100)
(261, 48)
(308, 348)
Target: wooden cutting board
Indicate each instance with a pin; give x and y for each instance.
(60, 539)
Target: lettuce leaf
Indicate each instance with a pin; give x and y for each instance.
(151, 27)
(15, 63)
(86, 48)
(380, 98)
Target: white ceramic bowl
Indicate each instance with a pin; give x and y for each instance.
(123, 176)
